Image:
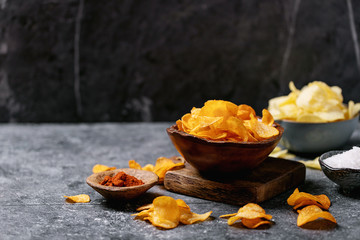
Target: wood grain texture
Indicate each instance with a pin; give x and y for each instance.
(271, 178)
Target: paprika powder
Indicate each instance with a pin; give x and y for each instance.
(121, 179)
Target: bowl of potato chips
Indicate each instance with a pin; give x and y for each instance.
(222, 138)
(315, 119)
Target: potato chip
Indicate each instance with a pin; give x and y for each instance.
(220, 120)
(187, 217)
(281, 153)
(133, 164)
(81, 198)
(316, 102)
(148, 167)
(267, 118)
(312, 163)
(353, 109)
(254, 223)
(244, 112)
(251, 213)
(102, 168)
(167, 213)
(300, 199)
(162, 165)
(259, 129)
(311, 213)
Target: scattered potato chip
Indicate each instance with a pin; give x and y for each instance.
(251, 216)
(81, 198)
(311, 213)
(102, 168)
(281, 153)
(162, 165)
(166, 212)
(187, 217)
(148, 167)
(220, 120)
(312, 163)
(254, 223)
(134, 164)
(300, 199)
(315, 102)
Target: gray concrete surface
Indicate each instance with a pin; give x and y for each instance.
(41, 163)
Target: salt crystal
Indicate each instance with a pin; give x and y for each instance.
(347, 159)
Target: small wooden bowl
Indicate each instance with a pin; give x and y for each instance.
(122, 193)
(220, 157)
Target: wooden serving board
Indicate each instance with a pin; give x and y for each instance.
(271, 178)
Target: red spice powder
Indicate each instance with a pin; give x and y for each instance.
(121, 179)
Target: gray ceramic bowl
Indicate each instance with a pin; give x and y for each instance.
(347, 178)
(316, 137)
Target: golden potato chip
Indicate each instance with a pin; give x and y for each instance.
(254, 223)
(102, 168)
(244, 112)
(167, 213)
(218, 108)
(259, 129)
(312, 163)
(281, 153)
(253, 213)
(220, 120)
(309, 117)
(148, 167)
(81, 198)
(353, 109)
(267, 118)
(311, 213)
(187, 217)
(162, 165)
(315, 102)
(300, 199)
(145, 207)
(133, 164)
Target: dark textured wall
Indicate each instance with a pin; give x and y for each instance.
(152, 60)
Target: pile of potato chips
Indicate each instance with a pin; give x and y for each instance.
(166, 212)
(315, 102)
(225, 121)
(162, 165)
(313, 207)
(251, 216)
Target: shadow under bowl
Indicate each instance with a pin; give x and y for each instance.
(346, 178)
(316, 137)
(122, 193)
(221, 157)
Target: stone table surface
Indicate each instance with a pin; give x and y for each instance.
(41, 163)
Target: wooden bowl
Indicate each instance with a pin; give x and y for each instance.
(123, 193)
(220, 157)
